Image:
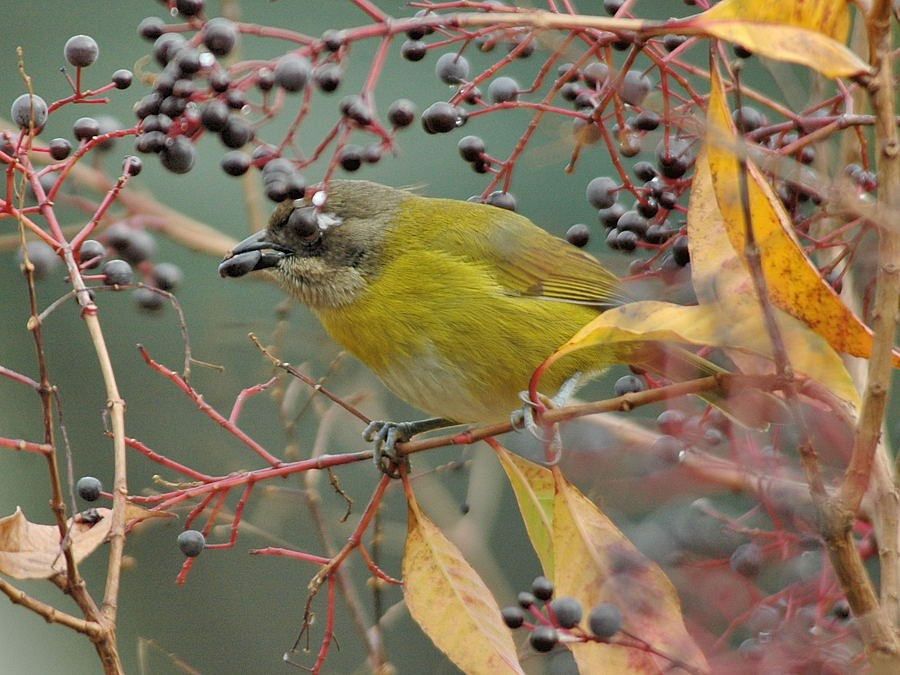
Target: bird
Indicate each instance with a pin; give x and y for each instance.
(452, 304)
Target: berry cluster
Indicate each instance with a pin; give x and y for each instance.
(197, 92)
(132, 245)
(560, 619)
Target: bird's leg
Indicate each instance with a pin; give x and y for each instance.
(385, 436)
(525, 417)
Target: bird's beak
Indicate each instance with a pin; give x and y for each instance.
(254, 253)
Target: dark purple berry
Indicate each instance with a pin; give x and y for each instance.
(680, 251)
(601, 192)
(189, 7)
(747, 560)
(122, 78)
(355, 108)
(503, 90)
(513, 616)
(147, 299)
(471, 148)
(413, 50)
(81, 50)
(543, 638)
(85, 128)
(401, 113)
(350, 157)
(503, 200)
(29, 110)
(292, 72)
(91, 253)
(595, 73)
(634, 87)
(605, 620)
(167, 46)
(151, 27)
(220, 36)
(440, 117)
(542, 588)
(117, 273)
(628, 384)
(214, 115)
(452, 68)
(568, 611)
(59, 149)
(235, 163)
(132, 166)
(191, 543)
(327, 76)
(237, 133)
(167, 276)
(578, 235)
(89, 488)
(178, 154)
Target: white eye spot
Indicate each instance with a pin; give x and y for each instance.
(327, 220)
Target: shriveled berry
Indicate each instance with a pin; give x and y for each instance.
(81, 50)
(595, 73)
(89, 488)
(191, 543)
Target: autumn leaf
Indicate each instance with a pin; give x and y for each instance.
(533, 487)
(808, 33)
(451, 603)
(794, 283)
(829, 17)
(595, 564)
(33, 551)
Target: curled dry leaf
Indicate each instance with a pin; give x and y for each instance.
(33, 551)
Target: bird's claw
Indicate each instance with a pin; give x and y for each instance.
(526, 417)
(384, 436)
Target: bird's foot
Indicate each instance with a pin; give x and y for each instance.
(385, 435)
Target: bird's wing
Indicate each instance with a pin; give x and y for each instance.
(528, 261)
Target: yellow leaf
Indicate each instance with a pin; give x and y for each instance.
(451, 603)
(794, 283)
(829, 17)
(735, 324)
(533, 486)
(797, 31)
(596, 563)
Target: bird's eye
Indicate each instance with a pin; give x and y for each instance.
(304, 222)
